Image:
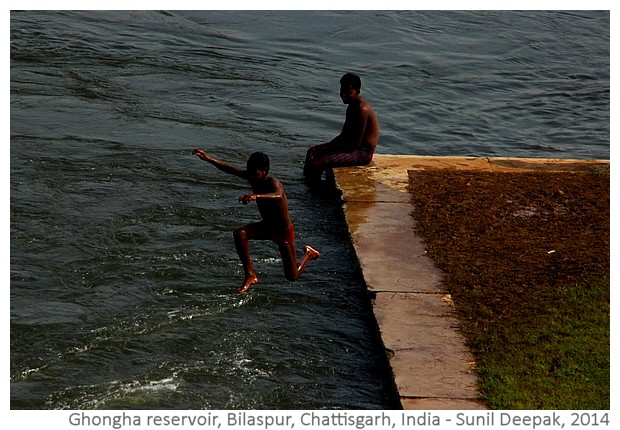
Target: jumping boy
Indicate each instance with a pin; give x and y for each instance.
(276, 224)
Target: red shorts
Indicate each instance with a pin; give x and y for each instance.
(264, 231)
(286, 236)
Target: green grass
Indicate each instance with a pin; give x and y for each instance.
(555, 357)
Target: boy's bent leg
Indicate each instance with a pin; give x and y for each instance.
(312, 172)
(310, 254)
(313, 169)
(337, 158)
(289, 260)
(292, 269)
(242, 235)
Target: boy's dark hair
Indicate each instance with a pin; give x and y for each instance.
(352, 80)
(258, 160)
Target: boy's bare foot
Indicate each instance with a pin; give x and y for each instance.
(249, 281)
(314, 254)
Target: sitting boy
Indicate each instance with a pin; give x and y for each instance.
(356, 143)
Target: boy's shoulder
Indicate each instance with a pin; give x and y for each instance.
(274, 180)
(270, 182)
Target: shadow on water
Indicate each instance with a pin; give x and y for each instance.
(327, 198)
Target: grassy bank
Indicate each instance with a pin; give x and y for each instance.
(556, 358)
(526, 259)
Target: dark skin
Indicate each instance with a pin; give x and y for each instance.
(361, 126)
(276, 224)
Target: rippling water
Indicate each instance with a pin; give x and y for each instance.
(123, 269)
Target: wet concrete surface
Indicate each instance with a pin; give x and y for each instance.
(431, 364)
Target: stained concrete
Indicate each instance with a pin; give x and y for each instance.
(431, 364)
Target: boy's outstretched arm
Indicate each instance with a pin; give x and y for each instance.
(275, 191)
(221, 165)
(247, 198)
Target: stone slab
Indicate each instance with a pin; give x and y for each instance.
(441, 404)
(387, 244)
(428, 372)
(428, 353)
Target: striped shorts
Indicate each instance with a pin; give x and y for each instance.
(336, 158)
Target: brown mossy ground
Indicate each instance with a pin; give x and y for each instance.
(510, 242)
